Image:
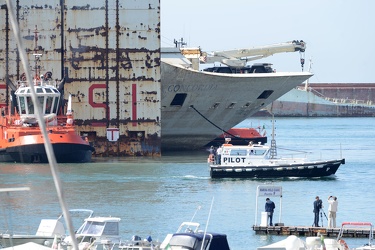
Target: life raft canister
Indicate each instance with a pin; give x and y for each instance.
(211, 158)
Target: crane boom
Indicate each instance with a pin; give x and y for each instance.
(239, 57)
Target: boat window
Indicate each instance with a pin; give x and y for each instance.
(39, 90)
(258, 152)
(179, 99)
(183, 242)
(30, 105)
(49, 102)
(55, 105)
(265, 94)
(179, 242)
(22, 105)
(238, 152)
(111, 228)
(41, 101)
(94, 228)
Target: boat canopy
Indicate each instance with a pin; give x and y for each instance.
(48, 97)
(213, 241)
(100, 226)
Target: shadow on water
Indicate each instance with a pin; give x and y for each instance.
(276, 180)
(170, 156)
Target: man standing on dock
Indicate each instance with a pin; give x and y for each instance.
(318, 204)
(269, 207)
(332, 209)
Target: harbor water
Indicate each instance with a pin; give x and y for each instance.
(153, 196)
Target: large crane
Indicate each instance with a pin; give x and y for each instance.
(239, 57)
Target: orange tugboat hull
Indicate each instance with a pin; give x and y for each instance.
(26, 144)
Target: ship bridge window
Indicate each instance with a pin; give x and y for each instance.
(49, 102)
(22, 105)
(55, 105)
(179, 99)
(235, 152)
(265, 94)
(230, 106)
(258, 152)
(30, 105)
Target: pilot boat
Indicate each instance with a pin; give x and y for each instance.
(261, 161)
(257, 161)
(21, 138)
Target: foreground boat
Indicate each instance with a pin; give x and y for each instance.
(292, 242)
(49, 231)
(347, 226)
(96, 233)
(199, 241)
(188, 236)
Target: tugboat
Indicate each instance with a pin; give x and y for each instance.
(21, 138)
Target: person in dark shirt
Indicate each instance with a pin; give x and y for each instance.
(269, 208)
(318, 204)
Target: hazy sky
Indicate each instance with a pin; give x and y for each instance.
(340, 35)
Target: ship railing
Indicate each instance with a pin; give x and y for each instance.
(37, 82)
(350, 101)
(338, 100)
(15, 121)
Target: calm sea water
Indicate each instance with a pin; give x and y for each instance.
(153, 196)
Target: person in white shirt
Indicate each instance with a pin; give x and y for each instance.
(218, 155)
(332, 209)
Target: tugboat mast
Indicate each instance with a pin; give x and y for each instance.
(273, 150)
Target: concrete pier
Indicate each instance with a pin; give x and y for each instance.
(311, 231)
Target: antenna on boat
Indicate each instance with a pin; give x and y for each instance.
(69, 112)
(180, 43)
(273, 151)
(205, 230)
(69, 109)
(39, 115)
(192, 218)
